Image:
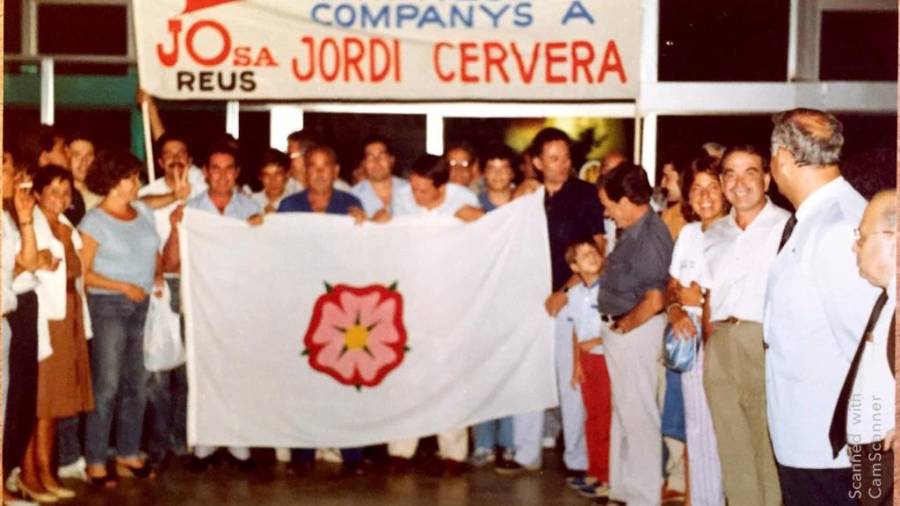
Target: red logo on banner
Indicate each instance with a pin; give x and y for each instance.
(357, 335)
(196, 5)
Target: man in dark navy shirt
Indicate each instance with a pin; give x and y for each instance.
(321, 196)
(573, 212)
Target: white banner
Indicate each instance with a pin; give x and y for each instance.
(389, 49)
(310, 331)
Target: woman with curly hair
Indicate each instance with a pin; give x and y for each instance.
(122, 265)
(703, 204)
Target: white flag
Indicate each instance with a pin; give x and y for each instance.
(310, 331)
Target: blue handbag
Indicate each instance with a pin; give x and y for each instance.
(680, 354)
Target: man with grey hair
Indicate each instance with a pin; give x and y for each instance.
(714, 149)
(816, 307)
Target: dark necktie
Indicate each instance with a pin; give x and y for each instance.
(837, 434)
(788, 230)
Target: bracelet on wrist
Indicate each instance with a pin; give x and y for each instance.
(29, 222)
(674, 304)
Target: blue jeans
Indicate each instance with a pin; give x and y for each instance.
(119, 376)
(493, 433)
(673, 407)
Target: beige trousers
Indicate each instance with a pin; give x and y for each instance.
(635, 460)
(735, 383)
(452, 445)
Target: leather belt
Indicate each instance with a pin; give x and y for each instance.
(609, 318)
(731, 320)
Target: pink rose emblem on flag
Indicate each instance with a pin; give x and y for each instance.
(356, 335)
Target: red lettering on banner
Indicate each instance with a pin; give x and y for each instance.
(379, 75)
(265, 59)
(561, 62)
(347, 58)
(612, 62)
(551, 53)
(312, 62)
(528, 75)
(582, 63)
(494, 61)
(335, 59)
(467, 56)
(353, 55)
(196, 5)
(399, 60)
(446, 77)
(171, 58)
(218, 28)
(242, 57)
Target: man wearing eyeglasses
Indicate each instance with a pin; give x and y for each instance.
(464, 168)
(864, 413)
(816, 308)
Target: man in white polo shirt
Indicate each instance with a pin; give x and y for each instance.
(430, 194)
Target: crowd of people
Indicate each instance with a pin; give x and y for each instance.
(783, 391)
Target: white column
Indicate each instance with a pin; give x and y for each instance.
(645, 124)
(48, 104)
(283, 120)
(434, 134)
(233, 118)
(804, 39)
(648, 142)
(638, 139)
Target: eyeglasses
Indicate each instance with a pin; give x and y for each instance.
(859, 237)
(295, 155)
(459, 163)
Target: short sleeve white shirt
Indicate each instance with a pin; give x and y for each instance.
(688, 260)
(455, 197)
(739, 262)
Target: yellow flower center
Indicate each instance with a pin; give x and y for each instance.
(356, 337)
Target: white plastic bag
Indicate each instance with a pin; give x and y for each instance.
(163, 348)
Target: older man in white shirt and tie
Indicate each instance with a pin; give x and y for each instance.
(816, 307)
(865, 410)
(739, 249)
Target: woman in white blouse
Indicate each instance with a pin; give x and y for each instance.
(705, 203)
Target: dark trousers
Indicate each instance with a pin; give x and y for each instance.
(815, 487)
(872, 474)
(21, 403)
(350, 456)
(68, 439)
(166, 416)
